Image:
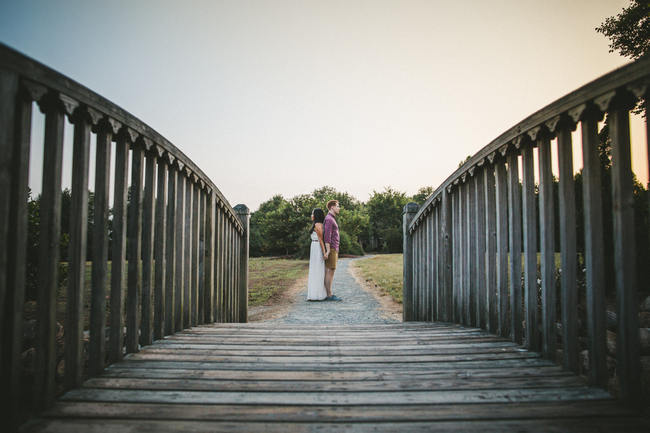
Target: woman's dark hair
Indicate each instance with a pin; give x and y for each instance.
(319, 217)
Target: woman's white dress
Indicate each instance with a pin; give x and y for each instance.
(316, 282)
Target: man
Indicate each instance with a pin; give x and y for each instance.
(331, 239)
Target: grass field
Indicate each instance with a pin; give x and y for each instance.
(268, 277)
(385, 271)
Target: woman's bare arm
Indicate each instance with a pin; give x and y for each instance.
(318, 228)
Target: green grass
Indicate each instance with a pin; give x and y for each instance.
(269, 277)
(385, 271)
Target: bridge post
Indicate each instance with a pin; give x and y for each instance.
(244, 216)
(407, 287)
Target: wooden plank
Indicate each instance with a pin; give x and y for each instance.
(446, 256)
(438, 263)
(218, 260)
(499, 395)
(568, 249)
(194, 276)
(628, 365)
(77, 252)
(202, 252)
(501, 208)
(15, 134)
(472, 253)
(514, 236)
(457, 262)
(97, 338)
(118, 249)
(467, 235)
(160, 249)
(170, 252)
(134, 251)
(594, 251)
(417, 384)
(244, 217)
(529, 210)
(556, 425)
(480, 258)
(547, 248)
(416, 274)
(297, 413)
(179, 243)
(148, 203)
(490, 249)
(210, 255)
(188, 274)
(48, 257)
(431, 263)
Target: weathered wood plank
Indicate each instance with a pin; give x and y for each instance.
(490, 249)
(118, 248)
(170, 252)
(481, 306)
(202, 299)
(547, 248)
(134, 253)
(179, 243)
(446, 256)
(628, 365)
(210, 256)
(15, 134)
(77, 251)
(501, 194)
(514, 237)
(148, 203)
(194, 276)
(48, 257)
(594, 249)
(160, 249)
(568, 249)
(529, 209)
(188, 271)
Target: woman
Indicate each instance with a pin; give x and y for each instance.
(316, 283)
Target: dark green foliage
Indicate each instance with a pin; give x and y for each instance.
(385, 219)
(422, 194)
(629, 31)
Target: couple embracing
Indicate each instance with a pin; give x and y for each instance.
(324, 253)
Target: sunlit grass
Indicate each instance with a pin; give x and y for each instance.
(385, 271)
(269, 277)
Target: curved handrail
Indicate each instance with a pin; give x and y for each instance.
(635, 74)
(179, 249)
(39, 73)
(472, 251)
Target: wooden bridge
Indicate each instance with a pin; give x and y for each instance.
(476, 351)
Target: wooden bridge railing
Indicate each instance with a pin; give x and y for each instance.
(457, 265)
(179, 250)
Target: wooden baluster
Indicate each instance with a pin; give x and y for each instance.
(188, 280)
(436, 263)
(628, 365)
(529, 209)
(430, 269)
(235, 257)
(77, 250)
(481, 305)
(228, 268)
(97, 340)
(490, 248)
(501, 193)
(514, 235)
(134, 245)
(594, 245)
(423, 269)
(218, 264)
(15, 131)
(118, 248)
(203, 307)
(179, 244)
(447, 257)
(547, 248)
(240, 291)
(407, 275)
(416, 273)
(209, 252)
(146, 336)
(455, 244)
(471, 252)
(194, 306)
(170, 248)
(568, 243)
(160, 248)
(466, 245)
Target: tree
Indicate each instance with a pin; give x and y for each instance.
(629, 31)
(385, 219)
(422, 194)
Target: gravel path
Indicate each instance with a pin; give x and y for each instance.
(358, 306)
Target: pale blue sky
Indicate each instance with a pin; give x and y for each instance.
(285, 96)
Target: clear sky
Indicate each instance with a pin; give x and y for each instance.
(285, 96)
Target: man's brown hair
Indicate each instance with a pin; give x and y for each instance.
(332, 203)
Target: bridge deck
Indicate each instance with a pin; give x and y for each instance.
(281, 378)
